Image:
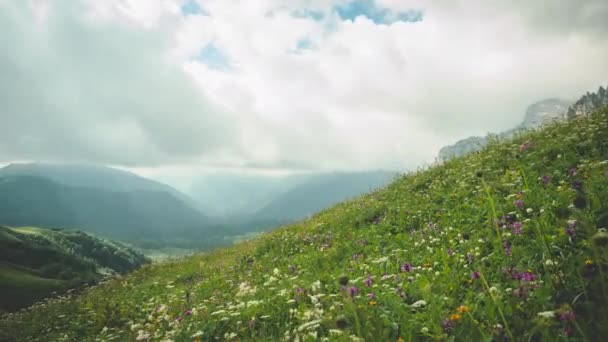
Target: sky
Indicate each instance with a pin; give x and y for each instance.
(170, 88)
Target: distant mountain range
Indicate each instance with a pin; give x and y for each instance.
(103, 200)
(537, 115)
(121, 205)
(284, 198)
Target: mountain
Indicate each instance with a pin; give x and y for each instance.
(589, 102)
(320, 191)
(238, 197)
(92, 176)
(230, 194)
(105, 201)
(544, 112)
(537, 115)
(35, 262)
(508, 244)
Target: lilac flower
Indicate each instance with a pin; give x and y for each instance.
(475, 275)
(368, 281)
(352, 291)
(545, 179)
(577, 185)
(567, 315)
(506, 247)
(519, 204)
(516, 227)
(406, 267)
(570, 231)
(446, 325)
(527, 276)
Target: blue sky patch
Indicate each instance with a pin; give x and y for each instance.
(379, 15)
(191, 7)
(213, 58)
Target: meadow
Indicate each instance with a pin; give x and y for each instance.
(506, 244)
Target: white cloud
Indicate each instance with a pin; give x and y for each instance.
(363, 96)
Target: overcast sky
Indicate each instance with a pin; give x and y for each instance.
(171, 87)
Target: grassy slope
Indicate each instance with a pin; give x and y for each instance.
(34, 262)
(472, 276)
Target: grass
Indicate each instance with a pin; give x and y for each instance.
(505, 244)
(19, 285)
(35, 262)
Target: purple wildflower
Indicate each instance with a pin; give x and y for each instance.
(506, 247)
(446, 325)
(545, 179)
(368, 281)
(178, 319)
(519, 204)
(567, 315)
(188, 312)
(352, 291)
(371, 295)
(516, 227)
(577, 185)
(406, 267)
(475, 275)
(527, 276)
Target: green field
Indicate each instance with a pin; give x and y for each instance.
(506, 244)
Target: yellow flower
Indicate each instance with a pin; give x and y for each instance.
(373, 303)
(400, 339)
(588, 262)
(462, 309)
(455, 317)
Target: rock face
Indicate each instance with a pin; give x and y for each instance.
(462, 147)
(537, 114)
(588, 103)
(544, 112)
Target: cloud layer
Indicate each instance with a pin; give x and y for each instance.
(301, 84)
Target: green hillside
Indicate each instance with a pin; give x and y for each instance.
(506, 244)
(35, 262)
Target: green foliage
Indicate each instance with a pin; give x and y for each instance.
(505, 244)
(36, 262)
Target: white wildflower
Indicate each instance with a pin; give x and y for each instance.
(419, 304)
(546, 314)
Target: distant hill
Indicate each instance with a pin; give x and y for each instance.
(102, 200)
(34, 262)
(321, 191)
